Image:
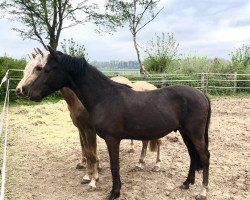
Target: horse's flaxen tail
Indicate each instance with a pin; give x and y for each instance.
(153, 145)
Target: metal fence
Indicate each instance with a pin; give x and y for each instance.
(4, 123)
(207, 82)
(4, 128)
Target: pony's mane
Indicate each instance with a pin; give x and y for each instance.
(79, 66)
(72, 64)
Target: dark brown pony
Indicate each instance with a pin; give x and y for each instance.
(118, 112)
(81, 120)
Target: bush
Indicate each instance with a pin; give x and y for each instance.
(191, 64)
(10, 63)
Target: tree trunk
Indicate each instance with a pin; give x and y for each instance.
(53, 42)
(142, 69)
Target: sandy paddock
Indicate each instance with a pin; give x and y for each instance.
(44, 149)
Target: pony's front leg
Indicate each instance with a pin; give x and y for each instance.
(90, 144)
(113, 149)
(83, 161)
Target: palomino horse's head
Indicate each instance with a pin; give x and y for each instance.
(51, 78)
(31, 71)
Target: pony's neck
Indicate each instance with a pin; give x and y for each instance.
(91, 87)
(69, 96)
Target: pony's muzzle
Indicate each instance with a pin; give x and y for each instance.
(24, 91)
(18, 91)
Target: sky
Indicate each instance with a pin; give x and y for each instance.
(212, 28)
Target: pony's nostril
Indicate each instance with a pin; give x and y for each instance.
(18, 90)
(24, 91)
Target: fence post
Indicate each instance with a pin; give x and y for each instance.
(206, 85)
(202, 81)
(235, 82)
(163, 80)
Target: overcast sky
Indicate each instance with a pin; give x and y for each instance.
(201, 27)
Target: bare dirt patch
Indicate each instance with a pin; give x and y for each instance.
(44, 149)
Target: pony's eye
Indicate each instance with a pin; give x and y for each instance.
(39, 68)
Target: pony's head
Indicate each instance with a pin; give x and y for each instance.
(31, 70)
(51, 78)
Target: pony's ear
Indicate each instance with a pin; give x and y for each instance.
(39, 51)
(52, 52)
(33, 55)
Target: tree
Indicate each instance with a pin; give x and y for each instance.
(241, 55)
(133, 13)
(44, 20)
(72, 48)
(240, 59)
(161, 53)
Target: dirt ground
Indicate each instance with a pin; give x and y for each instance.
(44, 149)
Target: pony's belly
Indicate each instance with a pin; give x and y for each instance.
(148, 134)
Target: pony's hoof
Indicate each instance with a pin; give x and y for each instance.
(200, 197)
(131, 151)
(92, 185)
(156, 168)
(139, 167)
(79, 166)
(99, 167)
(85, 180)
(184, 187)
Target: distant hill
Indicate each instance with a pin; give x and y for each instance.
(115, 64)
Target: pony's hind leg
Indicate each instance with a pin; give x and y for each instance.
(157, 166)
(99, 164)
(193, 157)
(140, 165)
(200, 143)
(132, 148)
(204, 154)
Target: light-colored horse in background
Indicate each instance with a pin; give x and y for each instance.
(81, 120)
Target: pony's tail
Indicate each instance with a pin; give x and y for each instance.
(153, 144)
(192, 150)
(199, 162)
(208, 120)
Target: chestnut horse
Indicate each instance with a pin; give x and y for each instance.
(117, 112)
(80, 119)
